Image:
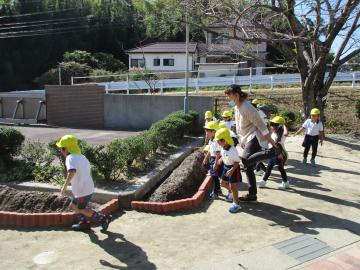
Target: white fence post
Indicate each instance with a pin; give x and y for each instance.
(72, 80)
(197, 85)
(161, 87)
(127, 84)
(353, 80)
(250, 86)
(272, 82)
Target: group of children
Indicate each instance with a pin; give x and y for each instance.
(223, 159)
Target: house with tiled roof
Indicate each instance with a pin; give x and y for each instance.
(218, 53)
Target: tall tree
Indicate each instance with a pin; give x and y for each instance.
(316, 28)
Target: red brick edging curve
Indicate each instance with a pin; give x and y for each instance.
(26, 220)
(165, 207)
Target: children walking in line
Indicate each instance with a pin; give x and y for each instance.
(231, 170)
(278, 133)
(314, 133)
(212, 158)
(79, 174)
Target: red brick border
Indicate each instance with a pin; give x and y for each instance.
(28, 220)
(166, 207)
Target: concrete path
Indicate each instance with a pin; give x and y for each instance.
(46, 134)
(322, 209)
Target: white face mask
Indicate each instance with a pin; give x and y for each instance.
(232, 103)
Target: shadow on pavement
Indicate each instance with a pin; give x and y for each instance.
(294, 219)
(128, 253)
(344, 143)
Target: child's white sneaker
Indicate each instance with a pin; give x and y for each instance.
(284, 185)
(261, 184)
(234, 208)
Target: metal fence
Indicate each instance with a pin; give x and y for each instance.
(151, 81)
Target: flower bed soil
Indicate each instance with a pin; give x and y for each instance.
(183, 182)
(14, 200)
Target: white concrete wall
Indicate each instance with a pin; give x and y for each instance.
(179, 61)
(212, 70)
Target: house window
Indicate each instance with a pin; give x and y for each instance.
(138, 63)
(169, 62)
(156, 62)
(219, 39)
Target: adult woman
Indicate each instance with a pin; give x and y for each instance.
(252, 131)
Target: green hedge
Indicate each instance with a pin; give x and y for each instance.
(10, 144)
(119, 155)
(109, 162)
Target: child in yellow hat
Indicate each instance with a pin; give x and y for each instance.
(230, 125)
(314, 133)
(231, 169)
(212, 158)
(278, 134)
(79, 174)
(209, 117)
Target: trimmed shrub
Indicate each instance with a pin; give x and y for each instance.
(10, 144)
(271, 108)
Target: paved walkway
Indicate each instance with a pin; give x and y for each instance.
(322, 208)
(46, 134)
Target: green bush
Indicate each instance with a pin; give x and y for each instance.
(271, 108)
(335, 124)
(39, 161)
(10, 144)
(357, 108)
(36, 152)
(48, 173)
(293, 119)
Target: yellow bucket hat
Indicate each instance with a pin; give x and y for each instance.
(278, 120)
(212, 125)
(226, 114)
(222, 125)
(71, 143)
(224, 134)
(208, 114)
(315, 111)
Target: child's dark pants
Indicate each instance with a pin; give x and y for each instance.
(275, 161)
(313, 142)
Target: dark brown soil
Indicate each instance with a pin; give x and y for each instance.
(183, 182)
(31, 201)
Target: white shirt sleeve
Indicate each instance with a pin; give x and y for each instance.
(70, 163)
(306, 123)
(321, 126)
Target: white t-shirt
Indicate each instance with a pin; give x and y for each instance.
(228, 124)
(82, 184)
(313, 129)
(214, 147)
(230, 156)
(274, 136)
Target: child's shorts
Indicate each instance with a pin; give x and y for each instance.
(218, 172)
(81, 202)
(236, 176)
